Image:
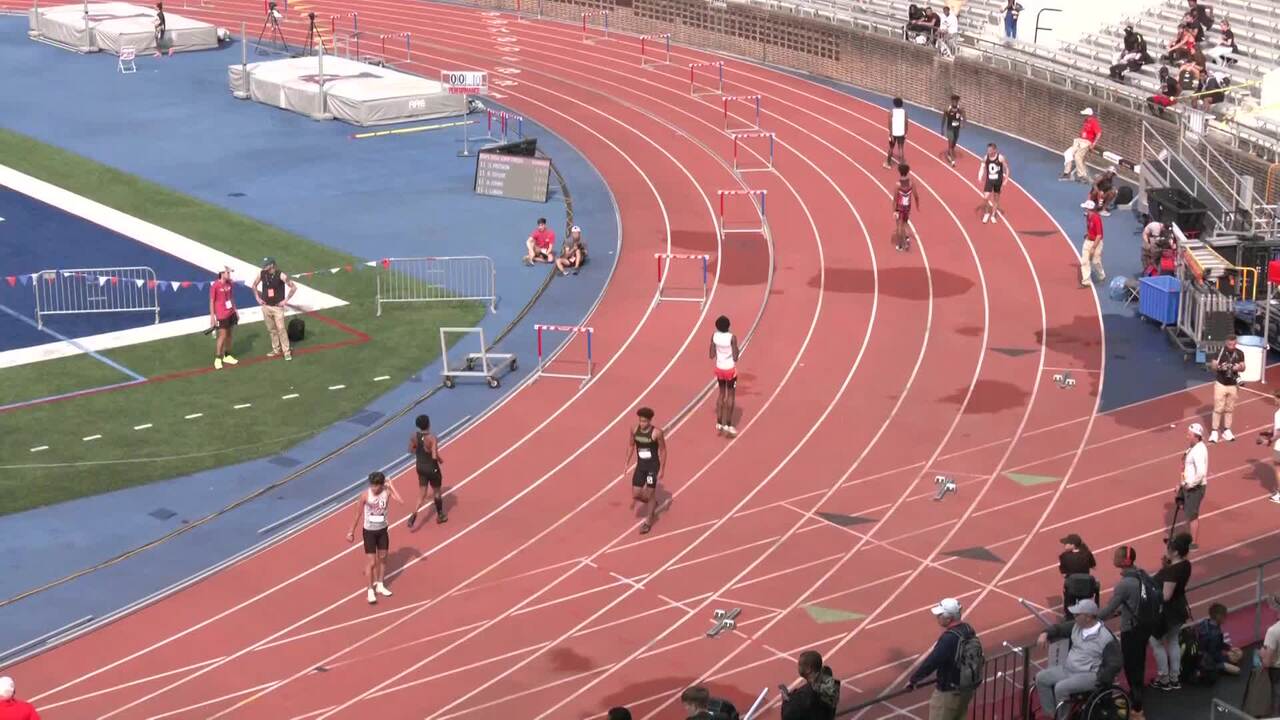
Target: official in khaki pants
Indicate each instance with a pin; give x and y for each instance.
(274, 289)
(1227, 368)
(1091, 253)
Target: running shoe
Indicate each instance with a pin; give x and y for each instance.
(986, 217)
(230, 360)
(1213, 436)
(1105, 213)
(719, 428)
(1173, 684)
(413, 518)
(288, 356)
(1276, 498)
(382, 590)
(1226, 435)
(217, 363)
(442, 518)
(731, 431)
(372, 598)
(273, 353)
(645, 527)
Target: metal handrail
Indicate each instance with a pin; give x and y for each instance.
(1035, 36)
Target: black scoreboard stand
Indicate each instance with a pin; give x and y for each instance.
(513, 170)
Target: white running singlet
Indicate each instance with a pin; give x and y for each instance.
(375, 510)
(898, 122)
(724, 350)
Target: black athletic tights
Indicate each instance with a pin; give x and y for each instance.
(1133, 645)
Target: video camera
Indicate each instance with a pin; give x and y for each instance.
(272, 12)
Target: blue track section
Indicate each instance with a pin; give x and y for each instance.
(175, 123)
(35, 236)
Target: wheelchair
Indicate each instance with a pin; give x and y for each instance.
(1105, 703)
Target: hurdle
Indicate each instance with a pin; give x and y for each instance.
(754, 100)
(573, 330)
(489, 362)
(436, 279)
(79, 291)
(520, 12)
(645, 43)
(737, 143)
(664, 267)
(408, 45)
(352, 41)
(508, 123)
(757, 200)
(588, 25)
(695, 90)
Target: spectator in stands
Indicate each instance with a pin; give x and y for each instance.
(1093, 658)
(1182, 46)
(1091, 251)
(819, 695)
(1134, 42)
(1213, 91)
(948, 701)
(1167, 95)
(1076, 564)
(1200, 15)
(1078, 154)
(619, 713)
(1172, 579)
(919, 30)
(1217, 656)
(1191, 74)
(1222, 52)
(1011, 10)
(1126, 597)
(574, 253)
(948, 31)
(1270, 657)
(11, 708)
(1127, 61)
(1228, 366)
(1103, 192)
(541, 244)
(1195, 473)
(696, 701)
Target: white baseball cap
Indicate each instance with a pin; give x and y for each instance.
(947, 606)
(6, 688)
(1087, 111)
(1196, 429)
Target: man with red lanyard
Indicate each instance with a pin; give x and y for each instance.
(222, 315)
(274, 289)
(1091, 253)
(11, 708)
(541, 244)
(1079, 152)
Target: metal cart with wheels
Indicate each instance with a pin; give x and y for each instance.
(483, 364)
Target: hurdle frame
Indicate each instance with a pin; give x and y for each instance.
(757, 197)
(644, 60)
(408, 45)
(741, 98)
(664, 262)
(693, 85)
(488, 369)
(521, 14)
(132, 283)
(588, 331)
(411, 286)
(737, 137)
(586, 27)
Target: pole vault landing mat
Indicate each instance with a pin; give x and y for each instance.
(354, 92)
(114, 25)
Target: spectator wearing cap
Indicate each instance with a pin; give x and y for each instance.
(948, 701)
(1076, 563)
(1226, 386)
(1157, 238)
(1078, 153)
(1172, 578)
(541, 244)
(574, 253)
(1134, 42)
(1168, 93)
(1093, 658)
(697, 701)
(1091, 251)
(274, 290)
(10, 707)
(1126, 595)
(1195, 473)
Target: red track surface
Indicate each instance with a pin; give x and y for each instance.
(869, 372)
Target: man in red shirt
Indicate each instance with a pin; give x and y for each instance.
(541, 244)
(222, 315)
(1079, 152)
(11, 709)
(1091, 254)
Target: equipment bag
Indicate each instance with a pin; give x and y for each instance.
(297, 330)
(1150, 610)
(969, 659)
(721, 709)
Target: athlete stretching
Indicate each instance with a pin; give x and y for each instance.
(724, 350)
(992, 172)
(904, 198)
(371, 508)
(426, 449)
(650, 445)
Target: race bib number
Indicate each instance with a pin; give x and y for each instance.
(227, 304)
(993, 170)
(644, 454)
(377, 519)
(271, 292)
(650, 480)
(904, 201)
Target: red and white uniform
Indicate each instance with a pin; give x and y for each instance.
(902, 201)
(726, 367)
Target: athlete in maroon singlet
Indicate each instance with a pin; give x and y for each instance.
(904, 199)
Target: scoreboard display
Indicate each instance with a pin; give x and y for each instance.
(512, 176)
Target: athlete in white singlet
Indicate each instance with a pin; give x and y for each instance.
(371, 514)
(897, 135)
(724, 350)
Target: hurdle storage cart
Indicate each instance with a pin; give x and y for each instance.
(483, 364)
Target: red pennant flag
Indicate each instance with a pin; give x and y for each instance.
(186, 283)
(151, 284)
(115, 281)
(386, 263)
(13, 281)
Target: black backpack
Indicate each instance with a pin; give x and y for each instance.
(1192, 658)
(970, 660)
(297, 330)
(722, 709)
(1149, 613)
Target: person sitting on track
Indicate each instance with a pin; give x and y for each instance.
(1093, 658)
(1103, 192)
(574, 253)
(541, 244)
(724, 350)
(371, 512)
(903, 199)
(992, 172)
(425, 448)
(650, 446)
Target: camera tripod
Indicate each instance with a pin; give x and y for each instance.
(272, 22)
(313, 35)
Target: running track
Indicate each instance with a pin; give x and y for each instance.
(866, 373)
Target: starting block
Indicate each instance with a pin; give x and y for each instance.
(590, 30)
(740, 225)
(1064, 380)
(723, 621)
(753, 104)
(945, 485)
(765, 157)
(659, 45)
(716, 69)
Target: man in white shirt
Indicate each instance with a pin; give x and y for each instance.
(948, 31)
(1195, 472)
(1270, 656)
(1272, 438)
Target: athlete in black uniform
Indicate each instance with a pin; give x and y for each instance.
(952, 119)
(650, 446)
(426, 450)
(992, 172)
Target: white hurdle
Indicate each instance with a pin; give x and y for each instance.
(767, 158)
(757, 199)
(79, 291)
(663, 40)
(664, 268)
(573, 330)
(696, 90)
(753, 102)
(589, 26)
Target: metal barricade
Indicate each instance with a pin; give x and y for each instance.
(77, 291)
(435, 279)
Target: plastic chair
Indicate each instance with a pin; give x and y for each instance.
(126, 63)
